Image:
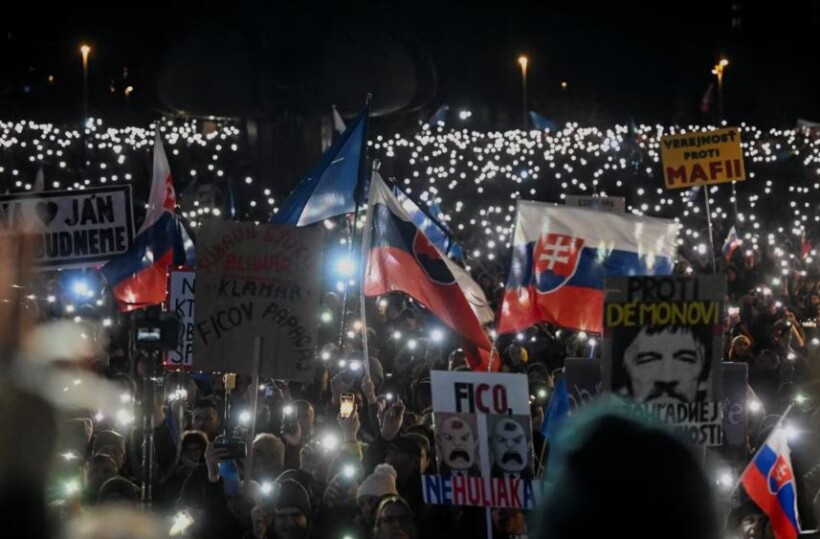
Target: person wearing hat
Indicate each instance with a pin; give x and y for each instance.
(191, 453)
(609, 461)
(394, 520)
(119, 490)
(407, 454)
(110, 443)
(97, 470)
(292, 515)
(381, 483)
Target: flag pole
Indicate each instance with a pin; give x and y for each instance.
(368, 225)
(709, 223)
(365, 246)
(360, 186)
(343, 314)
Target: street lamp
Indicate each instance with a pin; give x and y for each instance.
(85, 50)
(523, 61)
(718, 71)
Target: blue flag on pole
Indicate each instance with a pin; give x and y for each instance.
(439, 117)
(230, 202)
(332, 187)
(541, 123)
(557, 410)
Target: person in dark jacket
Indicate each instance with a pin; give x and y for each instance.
(609, 464)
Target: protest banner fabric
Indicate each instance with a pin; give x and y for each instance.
(608, 204)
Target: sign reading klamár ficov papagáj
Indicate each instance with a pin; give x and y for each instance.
(257, 281)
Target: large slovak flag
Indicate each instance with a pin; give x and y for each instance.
(561, 256)
(334, 184)
(138, 277)
(769, 482)
(401, 258)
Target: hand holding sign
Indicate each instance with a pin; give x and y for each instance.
(369, 389)
(391, 420)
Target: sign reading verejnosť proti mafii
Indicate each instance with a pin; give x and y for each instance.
(662, 349)
(257, 281)
(483, 441)
(702, 158)
(609, 204)
(181, 301)
(72, 228)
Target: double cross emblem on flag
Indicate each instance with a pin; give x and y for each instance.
(556, 259)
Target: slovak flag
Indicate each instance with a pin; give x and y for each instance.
(769, 482)
(401, 258)
(138, 277)
(561, 256)
(731, 243)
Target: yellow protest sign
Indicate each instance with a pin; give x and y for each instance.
(702, 158)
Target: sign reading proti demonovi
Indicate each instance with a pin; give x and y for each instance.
(702, 158)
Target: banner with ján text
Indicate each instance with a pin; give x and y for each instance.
(72, 229)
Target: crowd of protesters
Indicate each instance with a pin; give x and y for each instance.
(317, 474)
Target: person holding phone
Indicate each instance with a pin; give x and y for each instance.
(214, 491)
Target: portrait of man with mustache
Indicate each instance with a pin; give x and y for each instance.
(510, 447)
(457, 444)
(666, 365)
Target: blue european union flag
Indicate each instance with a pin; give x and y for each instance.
(541, 123)
(557, 410)
(333, 186)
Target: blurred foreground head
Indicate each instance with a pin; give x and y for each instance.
(614, 475)
(114, 523)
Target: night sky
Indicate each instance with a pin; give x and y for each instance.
(651, 62)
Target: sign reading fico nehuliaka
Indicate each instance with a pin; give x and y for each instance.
(483, 441)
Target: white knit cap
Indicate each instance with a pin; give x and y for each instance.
(380, 483)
